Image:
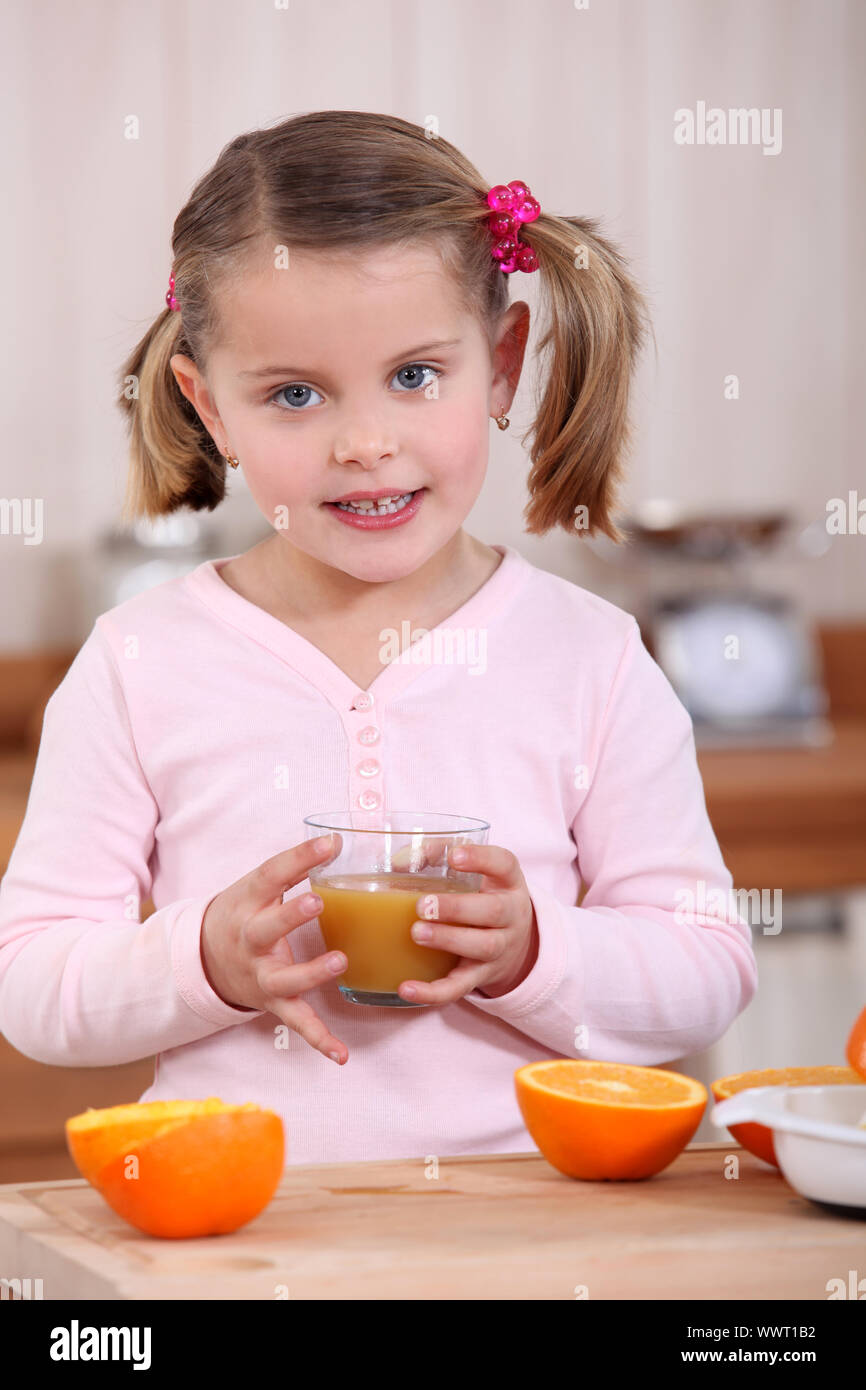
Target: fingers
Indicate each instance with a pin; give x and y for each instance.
(412, 858)
(272, 877)
(432, 851)
(298, 1015)
(491, 860)
(283, 979)
(475, 943)
(264, 929)
(459, 981)
(475, 909)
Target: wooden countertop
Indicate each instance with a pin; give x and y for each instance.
(501, 1226)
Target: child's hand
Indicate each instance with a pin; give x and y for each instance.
(245, 950)
(500, 940)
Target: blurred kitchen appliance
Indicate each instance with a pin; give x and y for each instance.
(127, 562)
(744, 662)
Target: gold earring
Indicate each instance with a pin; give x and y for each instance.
(231, 459)
(503, 421)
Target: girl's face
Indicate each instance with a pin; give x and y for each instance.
(341, 376)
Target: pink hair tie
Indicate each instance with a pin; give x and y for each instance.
(512, 205)
(170, 300)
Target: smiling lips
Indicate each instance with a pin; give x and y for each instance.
(374, 513)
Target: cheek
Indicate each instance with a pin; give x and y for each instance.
(460, 444)
(278, 472)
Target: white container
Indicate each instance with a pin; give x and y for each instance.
(820, 1148)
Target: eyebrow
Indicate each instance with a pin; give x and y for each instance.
(301, 371)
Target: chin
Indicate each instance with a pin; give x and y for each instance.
(379, 571)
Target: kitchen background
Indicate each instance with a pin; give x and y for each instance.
(746, 477)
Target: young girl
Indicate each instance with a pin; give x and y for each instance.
(338, 325)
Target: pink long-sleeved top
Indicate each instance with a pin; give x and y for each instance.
(192, 734)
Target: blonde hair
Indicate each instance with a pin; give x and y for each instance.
(342, 180)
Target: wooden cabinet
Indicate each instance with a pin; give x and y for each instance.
(36, 1101)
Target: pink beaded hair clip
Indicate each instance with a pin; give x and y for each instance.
(512, 205)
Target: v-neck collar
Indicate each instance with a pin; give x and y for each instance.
(312, 663)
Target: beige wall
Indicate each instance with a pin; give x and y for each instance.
(753, 263)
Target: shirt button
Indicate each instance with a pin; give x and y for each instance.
(369, 767)
(369, 735)
(369, 801)
(363, 700)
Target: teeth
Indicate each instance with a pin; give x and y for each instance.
(382, 507)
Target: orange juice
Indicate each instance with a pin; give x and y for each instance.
(369, 918)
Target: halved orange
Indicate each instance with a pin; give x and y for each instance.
(608, 1120)
(758, 1139)
(856, 1048)
(181, 1168)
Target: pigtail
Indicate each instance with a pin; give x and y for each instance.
(597, 323)
(173, 461)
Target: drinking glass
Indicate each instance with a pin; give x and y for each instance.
(385, 861)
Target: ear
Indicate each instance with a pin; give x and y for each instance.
(191, 382)
(509, 348)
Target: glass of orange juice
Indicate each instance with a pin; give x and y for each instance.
(384, 861)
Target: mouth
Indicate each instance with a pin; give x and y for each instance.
(378, 514)
(387, 505)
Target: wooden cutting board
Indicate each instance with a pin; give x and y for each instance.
(502, 1226)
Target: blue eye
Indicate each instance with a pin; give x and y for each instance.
(296, 397)
(419, 369)
(300, 394)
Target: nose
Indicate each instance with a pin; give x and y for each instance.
(367, 445)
